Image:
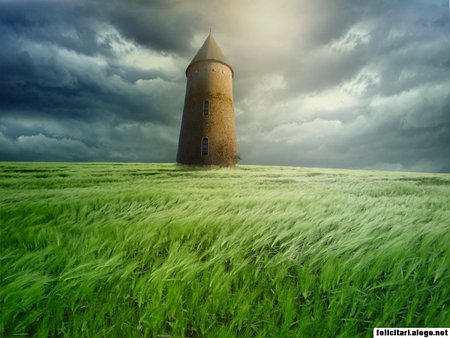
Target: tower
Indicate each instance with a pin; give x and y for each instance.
(208, 133)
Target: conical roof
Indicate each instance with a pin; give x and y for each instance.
(210, 51)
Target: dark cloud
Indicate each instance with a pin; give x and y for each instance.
(155, 25)
(71, 25)
(56, 62)
(318, 83)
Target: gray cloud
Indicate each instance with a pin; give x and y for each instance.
(165, 27)
(326, 83)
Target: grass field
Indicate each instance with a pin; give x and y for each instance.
(148, 250)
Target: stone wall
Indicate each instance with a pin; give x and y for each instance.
(211, 81)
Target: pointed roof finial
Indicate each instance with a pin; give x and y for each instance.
(210, 30)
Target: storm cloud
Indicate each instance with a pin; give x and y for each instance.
(323, 83)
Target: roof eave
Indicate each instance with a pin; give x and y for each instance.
(209, 60)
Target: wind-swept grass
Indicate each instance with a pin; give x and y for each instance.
(148, 250)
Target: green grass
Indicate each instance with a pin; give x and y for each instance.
(148, 250)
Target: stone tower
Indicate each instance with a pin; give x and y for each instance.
(208, 134)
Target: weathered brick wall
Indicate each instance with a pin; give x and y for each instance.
(212, 81)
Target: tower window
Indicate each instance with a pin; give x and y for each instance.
(204, 146)
(206, 108)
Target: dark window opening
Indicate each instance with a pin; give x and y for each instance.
(204, 146)
(206, 108)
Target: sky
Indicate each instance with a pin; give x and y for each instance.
(324, 83)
